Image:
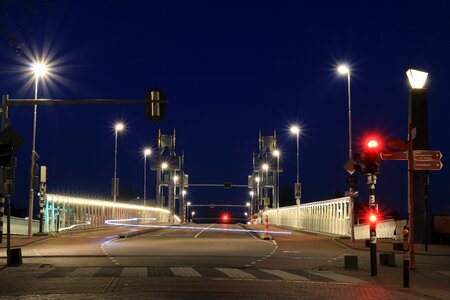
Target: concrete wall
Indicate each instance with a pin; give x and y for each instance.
(19, 226)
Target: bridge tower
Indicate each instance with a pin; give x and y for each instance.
(171, 179)
(264, 181)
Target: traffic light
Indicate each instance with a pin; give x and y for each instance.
(225, 218)
(155, 104)
(369, 159)
(372, 155)
(373, 218)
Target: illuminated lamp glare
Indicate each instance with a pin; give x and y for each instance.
(416, 78)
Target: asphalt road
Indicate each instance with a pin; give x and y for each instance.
(204, 261)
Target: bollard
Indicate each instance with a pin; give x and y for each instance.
(405, 257)
(351, 262)
(266, 225)
(15, 257)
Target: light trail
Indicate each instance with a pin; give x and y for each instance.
(73, 226)
(118, 222)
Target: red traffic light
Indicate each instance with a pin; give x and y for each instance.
(225, 218)
(373, 143)
(373, 217)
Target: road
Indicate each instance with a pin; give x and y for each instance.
(204, 261)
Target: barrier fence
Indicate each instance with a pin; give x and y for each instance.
(330, 216)
(66, 212)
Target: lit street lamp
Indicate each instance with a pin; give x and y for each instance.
(277, 155)
(298, 191)
(192, 216)
(187, 209)
(39, 70)
(265, 168)
(118, 127)
(344, 70)
(252, 200)
(147, 152)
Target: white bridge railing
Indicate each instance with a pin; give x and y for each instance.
(330, 216)
(66, 212)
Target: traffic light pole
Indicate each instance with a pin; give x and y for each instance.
(371, 181)
(155, 109)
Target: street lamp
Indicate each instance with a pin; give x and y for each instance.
(252, 202)
(418, 139)
(344, 70)
(192, 216)
(147, 152)
(298, 193)
(187, 208)
(265, 168)
(277, 155)
(39, 70)
(118, 127)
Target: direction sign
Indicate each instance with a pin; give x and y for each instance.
(428, 155)
(427, 165)
(394, 155)
(398, 144)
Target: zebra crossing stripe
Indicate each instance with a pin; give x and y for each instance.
(285, 275)
(134, 272)
(236, 273)
(84, 272)
(338, 277)
(185, 272)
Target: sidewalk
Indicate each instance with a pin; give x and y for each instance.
(23, 240)
(388, 247)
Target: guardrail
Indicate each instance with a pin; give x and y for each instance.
(330, 216)
(63, 212)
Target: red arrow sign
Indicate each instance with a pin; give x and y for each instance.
(428, 155)
(397, 155)
(427, 165)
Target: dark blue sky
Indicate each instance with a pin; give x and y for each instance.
(228, 68)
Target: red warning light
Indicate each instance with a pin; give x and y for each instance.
(225, 218)
(372, 217)
(373, 143)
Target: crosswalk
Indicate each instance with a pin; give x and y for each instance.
(198, 272)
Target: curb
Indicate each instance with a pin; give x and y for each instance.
(384, 251)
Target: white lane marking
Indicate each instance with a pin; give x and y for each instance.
(134, 272)
(84, 272)
(249, 232)
(285, 275)
(338, 277)
(185, 272)
(236, 273)
(202, 231)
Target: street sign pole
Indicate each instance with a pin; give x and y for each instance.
(411, 198)
(371, 181)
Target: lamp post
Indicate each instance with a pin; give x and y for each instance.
(187, 209)
(248, 204)
(39, 70)
(417, 180)
(252, 200)
(277, 155)
(298, 188)
(344, 70)
(192, 216)
(265, 168)
(118, 127)
(147, 152)
(258, 194)
(164, 166)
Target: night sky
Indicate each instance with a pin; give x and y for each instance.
(229, 69)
